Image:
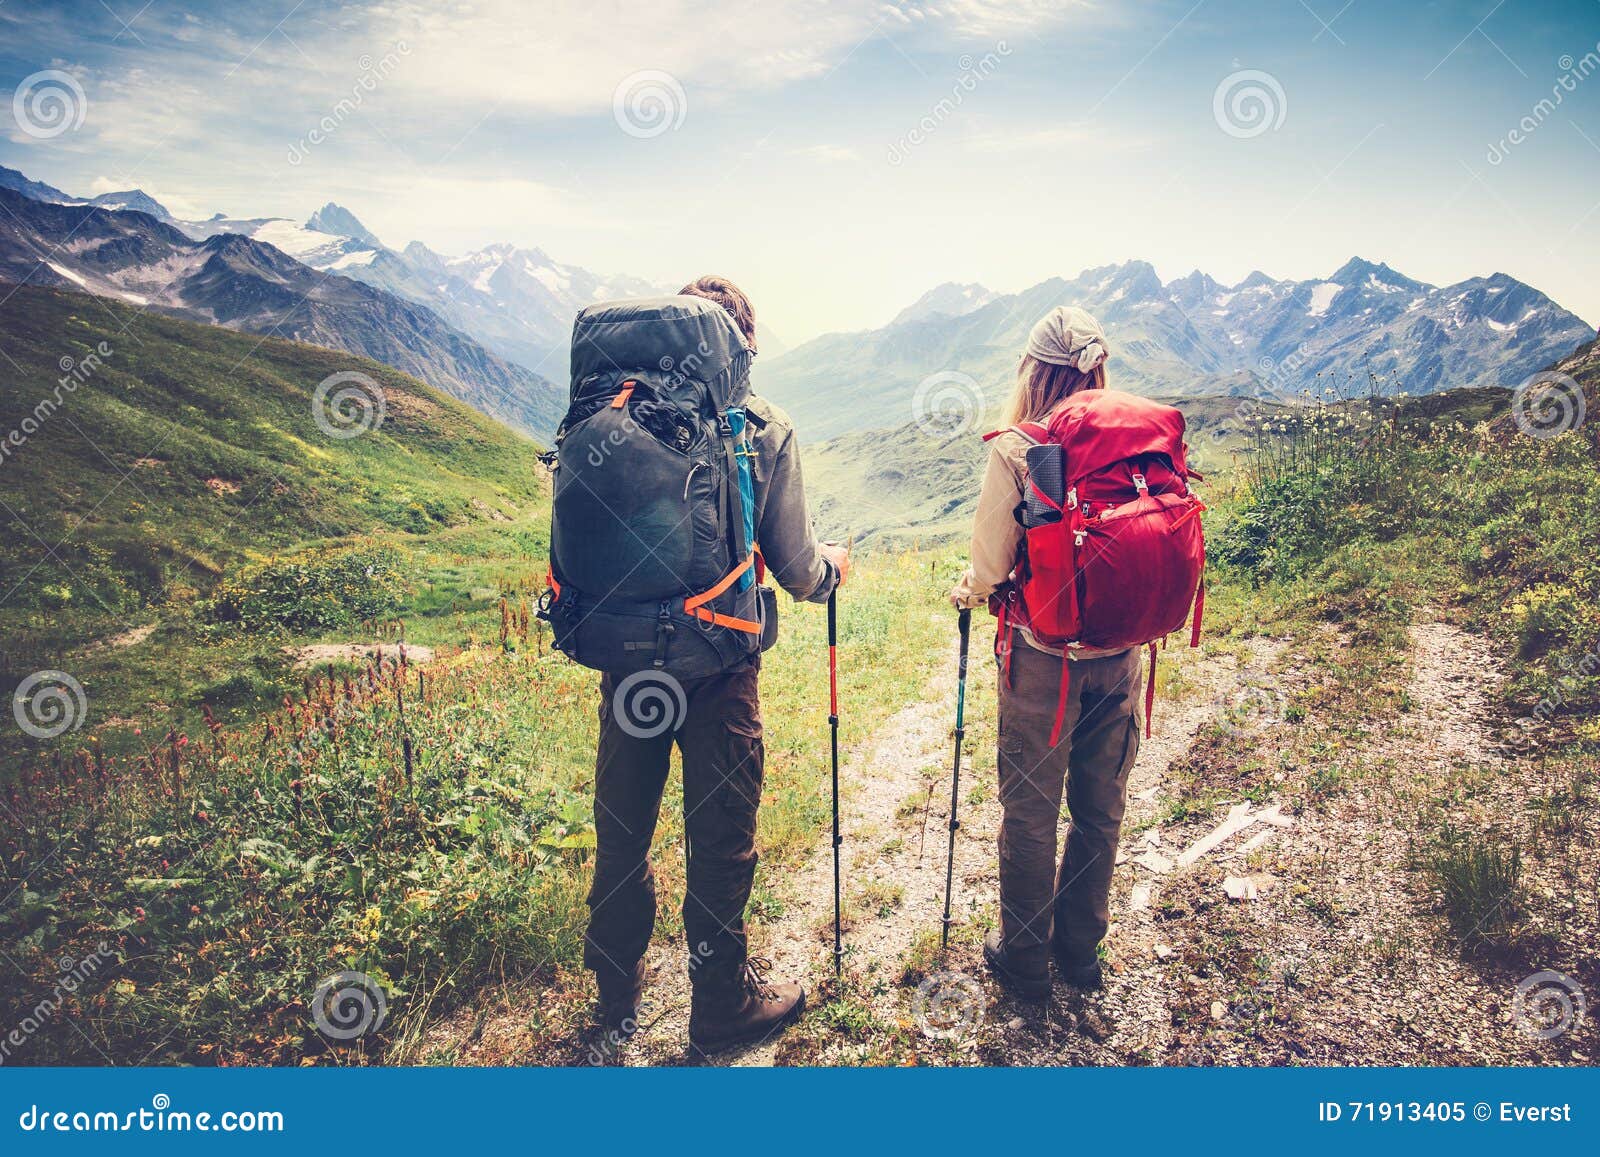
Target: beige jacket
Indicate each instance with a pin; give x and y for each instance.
(997, 535)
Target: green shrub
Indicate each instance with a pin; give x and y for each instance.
(1478, 876)
(315, 590)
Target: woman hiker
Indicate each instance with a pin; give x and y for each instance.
(1050, 909)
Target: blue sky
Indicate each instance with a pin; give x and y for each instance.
(839, 159)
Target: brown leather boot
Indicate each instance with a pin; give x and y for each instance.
(620, 993)
(742, 1008)
(1029, 979)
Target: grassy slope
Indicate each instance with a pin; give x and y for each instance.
(190, 450)
(919, 484)
(232, 874)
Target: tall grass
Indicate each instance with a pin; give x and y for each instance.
(1499, 520)
(429, 827)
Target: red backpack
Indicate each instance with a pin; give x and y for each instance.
(1113, 549)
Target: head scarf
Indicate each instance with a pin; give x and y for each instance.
(1068, 336)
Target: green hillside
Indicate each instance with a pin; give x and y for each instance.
(919, 484)
(165, 456)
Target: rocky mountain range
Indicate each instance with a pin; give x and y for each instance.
(1364, 325)
(492, 325)
(248, 283)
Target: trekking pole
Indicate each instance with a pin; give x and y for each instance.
(833, 724)
(964, 624)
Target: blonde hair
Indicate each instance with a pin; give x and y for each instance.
(1042, 386)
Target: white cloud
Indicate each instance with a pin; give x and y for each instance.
(836, 154)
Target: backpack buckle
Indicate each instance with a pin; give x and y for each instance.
(1072, 498)
(664, 629)
(1140, 484)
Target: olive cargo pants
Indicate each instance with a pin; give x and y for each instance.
(1099, 742)
(720, 738)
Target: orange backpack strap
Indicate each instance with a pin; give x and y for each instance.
(696, 605)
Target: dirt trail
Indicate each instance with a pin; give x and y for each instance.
(908, 752)
(894, 874)
(1334, 957)
(1296, 934)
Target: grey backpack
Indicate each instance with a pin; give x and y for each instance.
(652, 539)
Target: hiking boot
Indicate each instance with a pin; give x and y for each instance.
(1030, 983)
(1075, 970)
(620, 993)
(723, 1014)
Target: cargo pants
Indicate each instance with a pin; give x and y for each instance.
(719, 734)
(1039, 897)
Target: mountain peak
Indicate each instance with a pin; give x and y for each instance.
(951, 299)
(339, 221)
(135, 201)
(19, 182)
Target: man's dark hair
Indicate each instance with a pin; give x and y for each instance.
(728, 295)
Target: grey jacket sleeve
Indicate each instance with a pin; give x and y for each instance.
(787, 542)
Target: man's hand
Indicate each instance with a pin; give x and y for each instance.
(839, 556)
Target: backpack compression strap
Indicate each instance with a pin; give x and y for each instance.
(696, 605)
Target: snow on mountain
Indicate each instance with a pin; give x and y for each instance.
(948, 300)
(1190, 337)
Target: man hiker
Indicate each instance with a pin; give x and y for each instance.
(665, 460)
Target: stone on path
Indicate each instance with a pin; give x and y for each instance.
(1155, 861)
